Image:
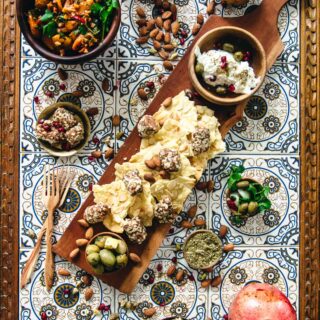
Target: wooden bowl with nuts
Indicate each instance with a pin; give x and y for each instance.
(227, 65)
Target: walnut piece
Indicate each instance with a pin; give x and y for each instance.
(200, 140)
(164, 211)
(147, 126)
(170, 160)
(135, 230)
(96, 213)
(133, 182)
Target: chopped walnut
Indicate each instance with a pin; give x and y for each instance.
(96, 213)
(164, 211)
(170, 160)
(135, 230)
(75, 135)
(200, 140)
(147, 126)
(133, 182)
(65, 118)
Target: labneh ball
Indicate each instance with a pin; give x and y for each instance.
(200, 140)
(96, 213)
(170, 160)
(133, 182)
(147, 126)
(135, 230)
(163, 210)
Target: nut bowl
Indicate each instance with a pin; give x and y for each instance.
(231, 35)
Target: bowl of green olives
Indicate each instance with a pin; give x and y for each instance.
(106, 252)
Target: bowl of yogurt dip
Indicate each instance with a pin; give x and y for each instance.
(227, 65)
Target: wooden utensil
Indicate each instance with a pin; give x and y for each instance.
(262, 22)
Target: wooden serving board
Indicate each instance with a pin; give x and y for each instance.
(262, 22)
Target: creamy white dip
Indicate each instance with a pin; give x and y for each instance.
(238, 74)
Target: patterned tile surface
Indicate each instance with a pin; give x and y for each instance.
(266, 142)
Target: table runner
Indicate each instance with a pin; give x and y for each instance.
(266, 141)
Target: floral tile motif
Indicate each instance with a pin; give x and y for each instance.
(275, 266)
(271, 118)
(276, 226)
(60, 302)
(41, 87)
(170, 297)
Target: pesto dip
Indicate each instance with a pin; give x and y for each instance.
(202, 249)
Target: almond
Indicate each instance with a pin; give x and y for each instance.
(210, 7)
(116, 120)
(179, 275)
(210, 186)
(150, 24)
(154, 33)
(168, 65)
(168, 47)
(149, 312)
(196, 28)
(159, 36)
(150, 164)
(167, 38)
(164, 174)
(167, 102)
(223, 231)
(171, 270)
(88, 293)
(199, 222)
(157, 45)
(228, 247)
(159, 22)
(63, 75)
(143, 31)
(108, 153)
(140, 12)
(173, 9)
(63, 272)
(134, 257)
(200, 18)
(216, 281)
(142, 94)
(74, 253)
(96, 154)
(201, 185)
(167, 25)
(141, 22)
(156, 160)
(105, 85)
(142, 40)
(163, 54)
(83, 223)
(166, 15)
(78, 93)
(192, 211)
(175, 26)
(89, 233)
(186, 224)
(92, 112)
(86, 280)
(81, 242)
(149, 177)
(205, 283)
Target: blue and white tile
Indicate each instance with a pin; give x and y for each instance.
(40, 77)
(271, 117)
(276, 226)
(57, 304)
(275, 266)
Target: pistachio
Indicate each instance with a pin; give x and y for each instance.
(179, 275)
(243, 208)
(149, 177)
(149, 312)
(167, 102)
(116, 120)
(252, 207)
(142, 94)
(74, 253)
(81, 242)
(134, 257)
(89, 233)
(166, 15)
(216, 281)
(140, 12)
(168, 65)
(171, 270)
(223, 231)
(199, 68)
(192, 211)
(200, 18)
(167, 38)
(228, 47)
(196, 28)
(243, 184)
(221, 90)
(238, 56)
(83, 223)
(228, 247)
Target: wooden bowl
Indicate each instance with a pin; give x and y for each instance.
(232, 35)
(213, 263)
(23, 6)
(48, 112)
(102, 234)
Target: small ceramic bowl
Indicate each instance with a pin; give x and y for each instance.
(212, 263)
(232, 35)
(48, 112)
(23, 6)
(111, 234)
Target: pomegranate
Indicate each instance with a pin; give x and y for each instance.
(258, 301)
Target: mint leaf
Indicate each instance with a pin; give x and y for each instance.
(48, 15)
(235, 176)
(50, 29)
(115, 4)
(96, 8)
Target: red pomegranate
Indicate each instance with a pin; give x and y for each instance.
(259, 301)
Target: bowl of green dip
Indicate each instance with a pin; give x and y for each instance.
(202, 249)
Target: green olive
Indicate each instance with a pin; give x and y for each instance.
(122, 247)
(98, 269)
(122, 260)
(243, 184)
(92, 248)
(107, 258)
(100, 241)
(111, 243)
(93, 258)
(252, 208)
(228, 47)
(199, 68)
(243, 208)
(221, 90)
(238, 56)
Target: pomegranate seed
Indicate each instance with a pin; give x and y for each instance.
(151, 280)
(41, 121)
(49, 94)
(43, 316)
(225, 317)
(182, 41)
(62, 86)
(106, 308)
(223, 59)
(224, 65)
(232, 205)
(91, 158)
(191, 277)
(47, 127)
(162, 304)
(56, 124)
(62, 129)
(159, 267)
(232, 88)
(36, 99)
(101, 306)
(95, 140)
(174, 259)
(150, 84)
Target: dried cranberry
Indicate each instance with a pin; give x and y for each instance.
(232, 205)
(101, 306)
(182, 41)
(95, 140)
(61, 129)
(62, 86)
(56, 124)
(223, 59)
(151, 280)
(49, 94)
(191, 277)
(46, 127)
(159, 267)
(174, 259)
(43, 316)
(150, 84)
(232, 88)
(41, 121)
(91, 158)
(36, 99)
(225, 317)
(106, 308)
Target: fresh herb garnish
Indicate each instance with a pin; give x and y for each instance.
(235, 176)
(50, 29)
(48, 15)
